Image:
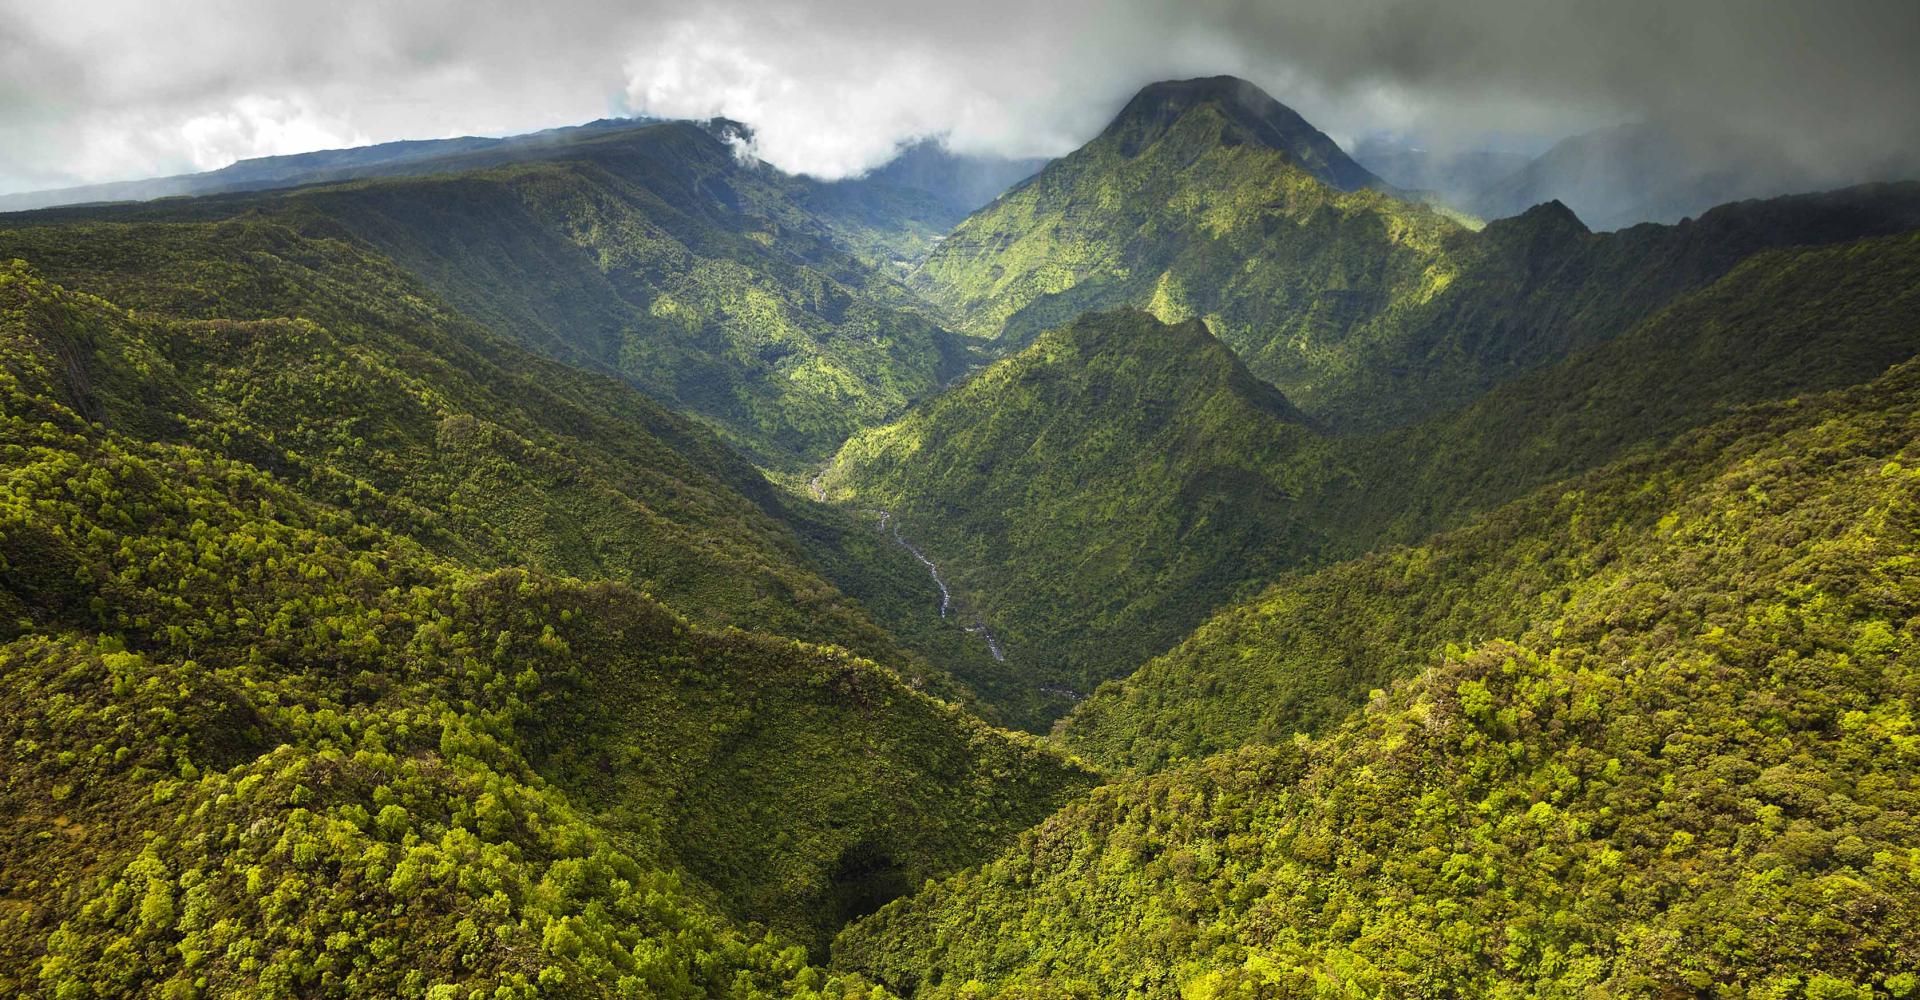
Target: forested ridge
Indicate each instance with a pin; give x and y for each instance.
(605, 565)
(734, 293)
(1666, 748)
(299, 698)
(1099, 494)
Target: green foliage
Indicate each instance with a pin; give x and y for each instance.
(1089, 492)
(656, 254)
(331, 368)
(262, 743)
(1690, 770)
(1302, 653)
(1780, 324)
(1368, 311)
(348, 648)
(1198, 217)
(1096, 525)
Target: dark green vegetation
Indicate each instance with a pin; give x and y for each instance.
(1515, 611)
(1671, 754)
(278, 718)
(1303, 652)
(1201, 200)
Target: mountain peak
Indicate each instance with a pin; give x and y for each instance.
(1551, 215)
(1253, 115)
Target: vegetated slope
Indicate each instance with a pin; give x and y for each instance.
(260, 743)
(1087, 495)
(1782, 322)
(1075, 567)
(342, 376)
(659, 254)
(1306, 651)
(1367, 311)
(1692, 772)
(1202, 199)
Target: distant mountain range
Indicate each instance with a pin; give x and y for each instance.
(293, 170)
(1455, 177)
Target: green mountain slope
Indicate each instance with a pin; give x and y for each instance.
(262, 743)
(1367, 311)
(1093, 531)
(1306, 651)
(1780, 323)
(1200, 200)
(337, 372)
(1684, 766)
(1090, 493)
(655, 253)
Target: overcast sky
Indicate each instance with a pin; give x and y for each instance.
(93, 90)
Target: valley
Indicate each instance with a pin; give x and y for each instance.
(602, 563)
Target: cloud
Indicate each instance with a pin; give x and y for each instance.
(835, 89)
(121, 88)
(262, 126)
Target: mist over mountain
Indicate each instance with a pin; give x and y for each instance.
(962, 183)
(1457, 176)
(1628, 174)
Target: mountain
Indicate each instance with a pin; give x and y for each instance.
(340, 374)
(599, 566)
(1529, 291)
(654, 253)
(1366, 310)
(1092, 527)
(1088, 495)
(1653, 411)
(1783, 322)
(1202, 199)
(897, 213)
(1250, 115)
(1674, 767)
(1624, 175)
(295, 169)
(295, 683)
